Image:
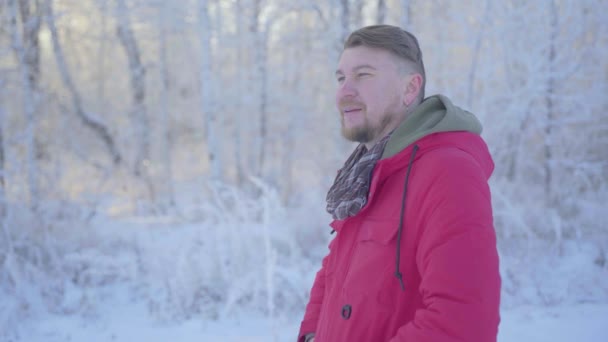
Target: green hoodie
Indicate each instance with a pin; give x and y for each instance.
(435, 114)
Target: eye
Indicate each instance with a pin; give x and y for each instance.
(340, 79)
(363, 74)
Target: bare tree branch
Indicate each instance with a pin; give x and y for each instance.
(91, 122)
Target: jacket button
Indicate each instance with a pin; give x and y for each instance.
(346, 311)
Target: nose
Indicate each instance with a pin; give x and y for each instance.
(345, 89)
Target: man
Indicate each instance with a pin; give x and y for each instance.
(414, 257)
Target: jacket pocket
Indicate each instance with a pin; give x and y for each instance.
(374, 256)
(380, 231)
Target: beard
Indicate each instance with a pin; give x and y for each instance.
(366, 132)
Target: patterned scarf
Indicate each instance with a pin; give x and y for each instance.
(349, 192)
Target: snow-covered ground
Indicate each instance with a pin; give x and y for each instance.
(127, 323)
(173, 279)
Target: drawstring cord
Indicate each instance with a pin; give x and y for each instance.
(400, 231)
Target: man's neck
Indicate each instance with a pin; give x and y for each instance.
(371, 144)
(388, 130)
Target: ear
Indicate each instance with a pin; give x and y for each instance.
(412, 88)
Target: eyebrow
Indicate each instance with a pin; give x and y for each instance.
(357, 68)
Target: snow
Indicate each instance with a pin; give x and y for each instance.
(579, 322)
(168, 279)
(130, 322)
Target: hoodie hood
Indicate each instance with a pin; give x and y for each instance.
(435, 114)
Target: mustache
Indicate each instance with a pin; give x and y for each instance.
(350, 103)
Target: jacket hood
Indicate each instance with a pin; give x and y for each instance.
(435, 114)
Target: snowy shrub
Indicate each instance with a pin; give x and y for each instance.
(243, 254)
(49, 257)
(240, 252)
(550, 256)
(30, 268)
(231, 252)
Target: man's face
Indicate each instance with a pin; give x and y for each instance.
(370, 94)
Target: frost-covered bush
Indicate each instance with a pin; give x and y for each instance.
(243, 254)
(550, 255)
(233, 251)
(226, 251)
(49, 260)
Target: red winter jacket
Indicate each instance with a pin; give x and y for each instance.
(445, 250)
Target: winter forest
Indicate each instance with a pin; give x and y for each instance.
(172, 157)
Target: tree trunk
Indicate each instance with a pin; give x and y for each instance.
(30, 12)
(554, 29)
(2, 158)
(344, 19)
(208, 97)
(239, 147)
(91, 122)
(165, 123)
(294, 82)
(515, 140)
(358, 14)
(381, 12)
(257, 80)
(4, 222)
(406, 14)
(216, 28)
(476, 52)
(26, 48)
(254, 29)
(101, 56)
(262, 75)
(138, 86)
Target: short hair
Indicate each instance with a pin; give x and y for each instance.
(394, 39)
